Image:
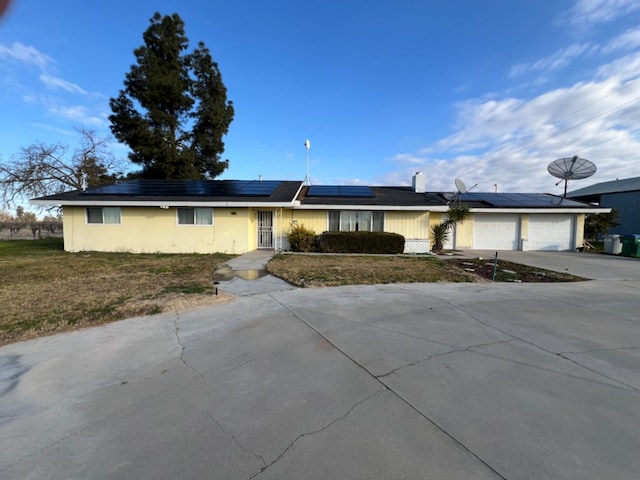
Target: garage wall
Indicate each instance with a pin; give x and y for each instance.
(543, 231)
(551, 232)
(464, 235)
(496, 231)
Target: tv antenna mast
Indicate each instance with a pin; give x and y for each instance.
(307, 179)
(571, 168)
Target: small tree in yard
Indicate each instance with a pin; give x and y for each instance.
(42, 169)
(600, 223)
(301, 238)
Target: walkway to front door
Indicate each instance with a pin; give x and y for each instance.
(265, 229)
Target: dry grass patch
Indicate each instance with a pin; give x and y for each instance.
(44, 289)
(333, 270)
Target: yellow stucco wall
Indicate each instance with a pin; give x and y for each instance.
(464, 234)
(317, 220)
(412, 225)
(152, 229)
(524, 226)
(408, 224)
(580, 229)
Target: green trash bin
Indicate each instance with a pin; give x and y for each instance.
(630, 245)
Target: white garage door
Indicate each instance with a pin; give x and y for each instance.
(496, 232)
(550, 232)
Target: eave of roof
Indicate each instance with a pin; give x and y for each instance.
(602, 188)
(292, 194)
(383, 196)
(283, 196)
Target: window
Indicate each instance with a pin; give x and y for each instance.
(103, 215)
(195, 216)
(356, 221)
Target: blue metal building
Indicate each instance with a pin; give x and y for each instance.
(623, 195)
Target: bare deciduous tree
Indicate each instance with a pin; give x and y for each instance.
(42, 169)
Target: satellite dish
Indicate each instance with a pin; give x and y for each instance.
(571, 168)
(462, 188)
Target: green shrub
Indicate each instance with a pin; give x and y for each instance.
(301, 238)
(440, 235)
(361, 242)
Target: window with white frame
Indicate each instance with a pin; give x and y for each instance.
(195, 216)
(103, 215)
(356, 221)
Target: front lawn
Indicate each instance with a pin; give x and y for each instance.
(46, 290)
(324, 270)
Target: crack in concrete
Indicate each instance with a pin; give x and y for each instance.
(313, 432)
(441, 354)
(600, 350)
(393, 392)
(528, 342)
(635, 389)
(606, 312)
(210, 389)
(390, 330)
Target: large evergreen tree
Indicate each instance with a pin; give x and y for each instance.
(173, 110)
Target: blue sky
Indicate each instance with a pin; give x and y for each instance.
(488, 91)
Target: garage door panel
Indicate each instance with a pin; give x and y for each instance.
(551, 232)
(496, 232)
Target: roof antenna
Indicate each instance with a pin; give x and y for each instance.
(307, 179)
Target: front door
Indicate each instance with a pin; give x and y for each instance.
(265, 229)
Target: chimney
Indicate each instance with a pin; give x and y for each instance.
(419, 183)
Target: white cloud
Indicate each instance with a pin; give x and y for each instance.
(585, 13)
(510, 141)
(624, 68)
(351, 181)
(555, 61)
(53, 128)
(77, 113)
(58, 83)
(25, 54)
(626, 41)
(407, 159)
(55, 105)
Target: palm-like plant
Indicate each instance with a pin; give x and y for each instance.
(440, 232)
(458, 214)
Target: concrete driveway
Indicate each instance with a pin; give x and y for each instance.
(414, 381)
(589, 265)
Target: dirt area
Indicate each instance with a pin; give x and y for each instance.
(510, 272)
(180, 302)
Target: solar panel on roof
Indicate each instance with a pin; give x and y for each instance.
(355, 191)
(259, 188)
(189, 188)
(506, 200)
(520, 200)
